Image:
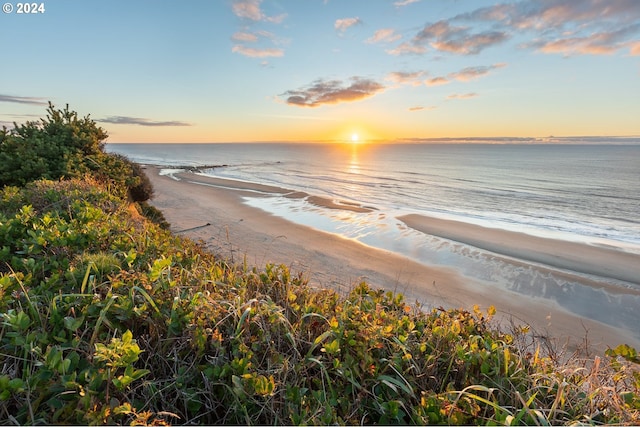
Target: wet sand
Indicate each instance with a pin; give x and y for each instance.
(583, 258)
(240, 232)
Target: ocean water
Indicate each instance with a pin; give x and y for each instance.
(583, 193)
(588, 193)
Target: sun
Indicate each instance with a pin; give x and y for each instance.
(355, 137)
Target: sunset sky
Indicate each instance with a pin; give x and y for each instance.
(307, 70)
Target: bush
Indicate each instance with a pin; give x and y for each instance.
(143, 190)
(62, 145)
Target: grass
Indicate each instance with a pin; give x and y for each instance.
(107, 318)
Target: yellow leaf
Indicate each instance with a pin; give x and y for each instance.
(491, 310)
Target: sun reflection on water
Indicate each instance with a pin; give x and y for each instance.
(354, 162)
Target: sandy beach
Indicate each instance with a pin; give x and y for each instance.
(599, 260)
(211, 210)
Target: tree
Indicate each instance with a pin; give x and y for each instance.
(66, 146)
(62, 145)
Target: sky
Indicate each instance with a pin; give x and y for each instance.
(326, 70)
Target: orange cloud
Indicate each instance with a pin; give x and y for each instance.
(344, 24)
(384, 35)
(602, 43)
(257, 53)
(244, 37)
(250, 9)
(437, 81)
(471, 73)
(465, 75)
(445, 37)
(406, 78)
(407, 48)
(421, 108)
(568, 27)
(462, 95)
(323, 92)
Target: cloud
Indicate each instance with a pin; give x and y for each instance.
(254, 37)
(323, 92)
(244, 37)
(464, 75)
(17, 118)
(407, 48)
(257, 52)
(603, 43)
(298, 117)
(437, 81)
(250, 9)
(462, 95)
(560, 14)
(278, 19)
(124, 120)
(472, 73)
(421, 108)
(469, 45)
(23, 100)
(344, 24)
(567, 27)
(455, 39)
(384, 35)
(406, 78)
(401, 3)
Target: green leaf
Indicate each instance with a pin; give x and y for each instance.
(624, 351)
(127, 337)
(264, 386)
(135, 374)
(333, 347)
(158, 267)
(72, 323)
(66, 364)
(394, 384)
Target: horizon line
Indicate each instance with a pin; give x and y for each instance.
(575, 139)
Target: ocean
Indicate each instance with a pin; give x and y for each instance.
(588, 193)
(573, 192)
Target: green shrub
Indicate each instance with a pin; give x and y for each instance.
(62, 145)
(143, 190)
(66, 146)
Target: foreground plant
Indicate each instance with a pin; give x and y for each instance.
(106, 318)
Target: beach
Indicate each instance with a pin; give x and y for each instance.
(211, 210)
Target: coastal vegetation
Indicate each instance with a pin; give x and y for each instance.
(109, 318)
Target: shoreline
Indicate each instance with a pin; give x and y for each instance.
(579, 257)
(253, 188)
(241, 232)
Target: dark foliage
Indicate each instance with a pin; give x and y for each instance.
(60, 146)
(65, 146)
